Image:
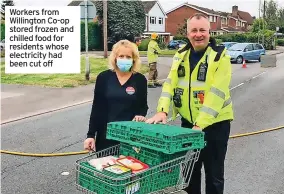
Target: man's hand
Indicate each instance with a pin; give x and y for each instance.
(159, 117)
(196, 128)
(139, 118)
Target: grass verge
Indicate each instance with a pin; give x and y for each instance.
(97, 65)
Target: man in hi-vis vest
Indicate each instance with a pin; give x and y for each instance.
(152, 55)
(198, 85)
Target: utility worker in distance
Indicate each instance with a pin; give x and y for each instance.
(198, 84)
(152, 54)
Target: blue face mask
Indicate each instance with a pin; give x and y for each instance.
(124, 65)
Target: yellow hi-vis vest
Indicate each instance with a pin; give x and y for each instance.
(217, 105)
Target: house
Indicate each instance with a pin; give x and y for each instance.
(155, 20)
(220, 22)
(91, 9)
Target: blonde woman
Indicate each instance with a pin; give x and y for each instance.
(120, 95)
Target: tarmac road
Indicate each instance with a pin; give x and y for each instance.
(254, 164)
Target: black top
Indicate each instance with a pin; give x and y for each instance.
(116, 102)
(194, 58)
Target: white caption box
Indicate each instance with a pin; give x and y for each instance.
(42, 40)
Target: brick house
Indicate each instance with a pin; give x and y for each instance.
(220, 22)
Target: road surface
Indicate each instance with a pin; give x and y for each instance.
(254, 164)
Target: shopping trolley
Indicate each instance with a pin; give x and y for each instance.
(169, 170)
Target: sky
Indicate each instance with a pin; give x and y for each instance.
(251, 6)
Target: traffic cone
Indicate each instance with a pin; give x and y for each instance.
(244, 63)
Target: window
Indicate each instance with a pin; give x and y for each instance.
(224, 21)
(152, 20)
(161, 21)
(257, 47)
(249, 47)
(211, 19)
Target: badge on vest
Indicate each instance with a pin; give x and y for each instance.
(181, 71)
(202, 71)
(198, 96)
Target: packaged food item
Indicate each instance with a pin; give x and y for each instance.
(117, 170)
(132, 163)
(100, 163)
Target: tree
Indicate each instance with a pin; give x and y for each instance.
(258, 25)
(3, 5)
(182, 29)
(125, 19)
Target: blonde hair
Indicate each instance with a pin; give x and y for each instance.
(135, 55)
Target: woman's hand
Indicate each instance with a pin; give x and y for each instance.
(139, 118)
(89, 144)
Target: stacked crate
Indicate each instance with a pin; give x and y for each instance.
(152, 144)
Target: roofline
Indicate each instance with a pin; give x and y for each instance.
(157, 2)
(162, 9)
(186, 4)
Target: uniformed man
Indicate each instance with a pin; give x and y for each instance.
(152, 54)
(198, 84)
(137, 41)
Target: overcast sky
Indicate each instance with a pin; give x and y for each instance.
(251, 6)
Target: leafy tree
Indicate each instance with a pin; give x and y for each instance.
(125, 19)
(182, 29)
(4, 4)
(258, 25)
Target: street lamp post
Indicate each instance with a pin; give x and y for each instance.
(87, 64)
(105, 27)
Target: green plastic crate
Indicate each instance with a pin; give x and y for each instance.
(148, 156)
(152, 180)
(164, 138)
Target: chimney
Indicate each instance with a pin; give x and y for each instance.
(235, 10)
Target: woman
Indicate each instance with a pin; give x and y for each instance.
(120, 95)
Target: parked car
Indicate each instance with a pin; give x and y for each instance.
(2, 44)
(176, 44)
(246, 51)
(228, 44)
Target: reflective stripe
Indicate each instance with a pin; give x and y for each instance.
(209, 111)
(168, 80)
(227, 102)
(182, 83)
(218, 92)
(166, 95)
(198, 84)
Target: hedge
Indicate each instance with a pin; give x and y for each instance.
(95, 37)
(144, 45)
(280, 42)
(241, 37)
(2, 31)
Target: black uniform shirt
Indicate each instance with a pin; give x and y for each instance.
(194, 58)
(116, 102)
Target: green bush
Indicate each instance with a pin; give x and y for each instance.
(144, 45)
(180, 37)
(94, 36)
(2, 31)
(249, 37)
(280, 42)
(218, 41)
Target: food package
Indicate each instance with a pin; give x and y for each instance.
(132, 163)
(100, 163)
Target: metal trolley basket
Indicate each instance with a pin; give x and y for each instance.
(168, 177)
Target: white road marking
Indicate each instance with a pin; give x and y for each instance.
(259, 75)
(237, 86)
